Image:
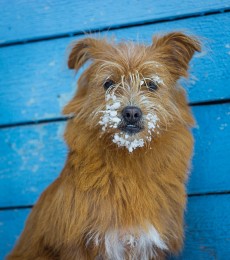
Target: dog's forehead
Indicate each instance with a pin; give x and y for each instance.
(131, 52)
(128, 57)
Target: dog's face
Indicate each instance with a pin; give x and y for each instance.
(129, 92)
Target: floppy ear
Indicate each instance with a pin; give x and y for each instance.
(176, 50)
(83, 50)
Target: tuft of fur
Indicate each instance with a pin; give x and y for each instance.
(120, 195)
(140, 244)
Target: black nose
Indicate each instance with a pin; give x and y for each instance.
(131, 114)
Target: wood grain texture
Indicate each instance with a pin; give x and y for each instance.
(34, 76)
(33, 156)
(22, 20)
(207, 228)
(11, 225)
(211, 165)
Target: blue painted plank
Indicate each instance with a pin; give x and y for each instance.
(211, 165)
(11, 225)
(207, 228)
(22, 20)
(32, 156)
(28, 71)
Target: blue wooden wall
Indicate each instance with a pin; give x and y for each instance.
(35, 84)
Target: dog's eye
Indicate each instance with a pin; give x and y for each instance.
(152, 86)
(109, 83)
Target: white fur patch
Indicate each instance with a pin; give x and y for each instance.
(141, 244)
(121, 139)
(157, 79)
(152, 124)
(132, 142)
(109, 117)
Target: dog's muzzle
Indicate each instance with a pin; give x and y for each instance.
(131, 116)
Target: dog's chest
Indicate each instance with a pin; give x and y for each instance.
(136, 244)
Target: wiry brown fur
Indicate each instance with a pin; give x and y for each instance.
(102, 186)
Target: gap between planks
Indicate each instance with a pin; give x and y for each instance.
(189, 196)
(117, 27)
(63, 118)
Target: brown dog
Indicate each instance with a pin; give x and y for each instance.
(121, 194)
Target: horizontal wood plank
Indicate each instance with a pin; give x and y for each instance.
(11, 225)
(211, 164)
(35, 83)
(33, 156)
(207, 228)
(22, 20)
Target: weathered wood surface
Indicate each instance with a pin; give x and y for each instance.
(34, 155)
(11, 225)
(34, 76)
(21, 20)
(207, 228)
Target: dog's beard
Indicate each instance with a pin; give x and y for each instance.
(133, 141)
(110, 119)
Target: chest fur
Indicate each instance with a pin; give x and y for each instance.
(129, 244)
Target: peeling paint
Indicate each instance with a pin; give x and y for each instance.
(228, 47)
(201, 54)
(35, 168)
(32, 189)
(223, 126)
(193, 80)
(52, 63)
(32, 147)
(60, 131)
(30, 102)
(64, 98)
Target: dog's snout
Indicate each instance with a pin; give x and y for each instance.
(131, 114)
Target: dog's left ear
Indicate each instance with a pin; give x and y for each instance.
(176, 50)
(84, 50)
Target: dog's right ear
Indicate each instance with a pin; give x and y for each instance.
(84, 50)
(176, 50)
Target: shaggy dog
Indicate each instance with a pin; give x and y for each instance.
(121, 194)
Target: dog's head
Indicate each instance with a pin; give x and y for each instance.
(129, 92)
